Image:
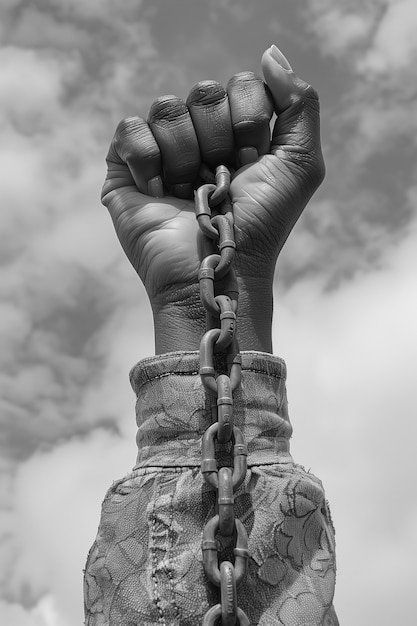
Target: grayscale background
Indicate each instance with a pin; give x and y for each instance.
(74, 317)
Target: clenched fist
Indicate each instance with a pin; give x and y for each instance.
(153, 170)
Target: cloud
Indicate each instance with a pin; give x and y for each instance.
(374, 42)
(340, 28)
(15, 614)
(369, 140)
(43, 613)
(374, 37)
(238, 10)
(393, 46)
(31, 86)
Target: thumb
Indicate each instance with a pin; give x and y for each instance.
(296, 135)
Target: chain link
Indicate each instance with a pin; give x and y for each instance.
(214, 214)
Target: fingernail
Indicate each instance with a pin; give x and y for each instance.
(185, 191)
(277, 55)
(156, 187)
(248, 155)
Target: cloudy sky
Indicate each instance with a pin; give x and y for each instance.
(74, 317)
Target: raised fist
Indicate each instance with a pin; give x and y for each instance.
(154, 167)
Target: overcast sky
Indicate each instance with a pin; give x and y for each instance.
(74, 318)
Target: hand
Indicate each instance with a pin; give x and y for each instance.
(153, 167)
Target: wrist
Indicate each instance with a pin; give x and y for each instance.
(180, 322)
(255, 314)
(179, 319)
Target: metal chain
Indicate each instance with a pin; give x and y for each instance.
(219, 296)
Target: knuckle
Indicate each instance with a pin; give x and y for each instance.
(128, 125)
(252, 90)
(166, 109)
(133, 138)
(311, 93)
(115, 153)
(305, 94)
(243, 78)
(206, 92)
(313, 169)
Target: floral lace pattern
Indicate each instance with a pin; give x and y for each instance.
(145, 566)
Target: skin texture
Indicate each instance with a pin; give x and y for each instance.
(153, 167)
